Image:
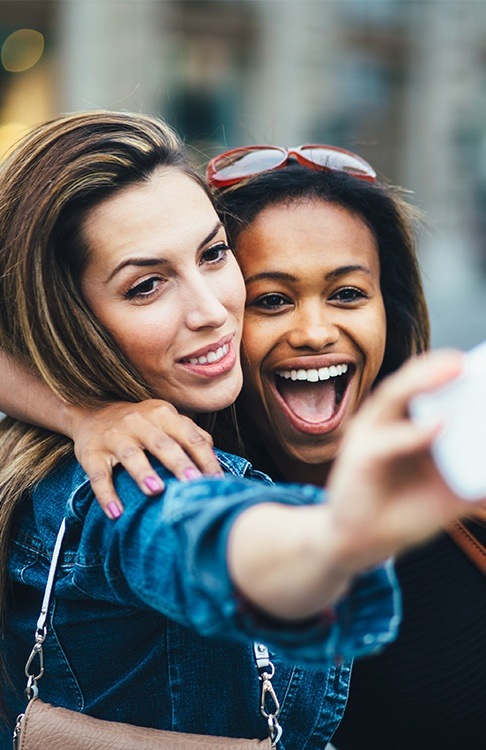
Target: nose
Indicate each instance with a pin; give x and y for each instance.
(204, 309)
(312, 327)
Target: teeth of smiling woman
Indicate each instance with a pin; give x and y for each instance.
(211, 356)
(313, 375)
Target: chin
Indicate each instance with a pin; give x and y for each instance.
(314, 455)
(217, 401)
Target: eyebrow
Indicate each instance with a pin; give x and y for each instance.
(272, 275)
(160, 261)
(283, 276)
(343, 270)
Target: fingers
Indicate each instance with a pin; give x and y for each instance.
(124, 432)
(99, 473)
(188, 456)
(385, 489)
(420, 374)
(402, 440)
(182, 446)
(382, 432)
(184, 440)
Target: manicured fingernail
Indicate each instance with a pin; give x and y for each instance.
(192, 473)
(114, 510)
(219, 473)
(153, 484)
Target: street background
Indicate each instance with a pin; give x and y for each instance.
(402, 82)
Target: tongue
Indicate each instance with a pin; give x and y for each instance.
(312, 402)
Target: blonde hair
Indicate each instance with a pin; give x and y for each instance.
(56, 174)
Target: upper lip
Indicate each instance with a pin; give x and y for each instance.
(208, 348)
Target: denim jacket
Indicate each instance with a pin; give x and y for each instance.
(146, 627)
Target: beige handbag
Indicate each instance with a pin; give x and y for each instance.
(46, 727)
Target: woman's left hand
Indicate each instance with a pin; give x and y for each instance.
(122, 432)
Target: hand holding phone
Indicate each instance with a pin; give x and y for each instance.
(459, 450)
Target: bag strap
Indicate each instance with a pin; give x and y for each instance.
(264, 666)
(469, 543)
(31, 690)
(269, 705)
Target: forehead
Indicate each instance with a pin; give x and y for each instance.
(309, 232)
(168, 209)
(165, 189)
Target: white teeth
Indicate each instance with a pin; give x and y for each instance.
(211, 357)
(313, 375)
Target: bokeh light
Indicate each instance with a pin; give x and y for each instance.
(10, 134)
(22, 50)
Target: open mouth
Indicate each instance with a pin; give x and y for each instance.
(313, 395)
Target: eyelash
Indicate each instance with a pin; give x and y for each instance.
(138, 291)
(263, 301)
(265, 298)
(223, 250)
(358, 294)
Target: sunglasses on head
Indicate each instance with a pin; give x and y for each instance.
(240, 163)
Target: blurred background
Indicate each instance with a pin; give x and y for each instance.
(402, 82)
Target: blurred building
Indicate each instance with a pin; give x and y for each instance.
(400, 81)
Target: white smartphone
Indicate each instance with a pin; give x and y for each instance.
(459, 451)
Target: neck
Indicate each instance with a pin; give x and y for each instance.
(287, 469)
(242, 437)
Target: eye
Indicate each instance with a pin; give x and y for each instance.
(348, 295)
(215, 254)
(272, 302)
(144, 289)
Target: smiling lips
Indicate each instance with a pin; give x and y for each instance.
(311, 397)
(211, 356)
(214, 361)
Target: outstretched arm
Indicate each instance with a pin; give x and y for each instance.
(115, 433)
(385, 495)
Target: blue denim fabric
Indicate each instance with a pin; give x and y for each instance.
(136, 599)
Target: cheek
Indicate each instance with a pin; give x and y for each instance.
(251, 356)
(236, 298)
(231, 290)
(253, 343)
(257, 343)
(250, 337)
(141, 337)
(373, 337)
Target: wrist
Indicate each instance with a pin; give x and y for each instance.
(70, 418)
(299, 573)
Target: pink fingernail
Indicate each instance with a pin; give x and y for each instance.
(192, 473)
(153, 483)
(114, 510)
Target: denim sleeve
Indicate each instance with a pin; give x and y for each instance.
(169, 553)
